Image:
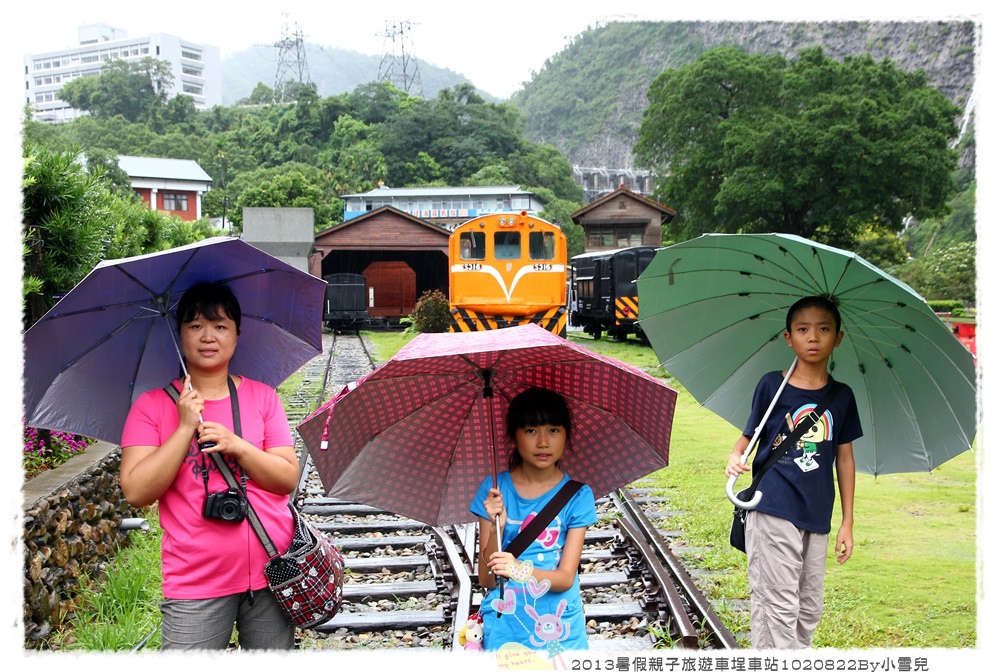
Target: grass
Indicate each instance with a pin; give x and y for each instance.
(118, 612)
(911, 582)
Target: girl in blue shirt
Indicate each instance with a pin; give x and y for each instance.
(540, 605)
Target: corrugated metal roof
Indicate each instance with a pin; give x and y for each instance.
(172, 169)
(402, 192)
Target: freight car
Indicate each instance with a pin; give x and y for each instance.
(604, 296)
(345, 305)
(507, 269)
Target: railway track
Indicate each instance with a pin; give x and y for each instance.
(409, 584)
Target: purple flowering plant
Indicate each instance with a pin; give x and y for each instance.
(38, 457)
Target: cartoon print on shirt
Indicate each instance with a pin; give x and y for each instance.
(819, 431)
(550, 629)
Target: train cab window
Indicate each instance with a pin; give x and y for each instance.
(507, 245)
(472, 245)
(542, 245)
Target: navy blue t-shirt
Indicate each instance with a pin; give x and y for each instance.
(799, 487)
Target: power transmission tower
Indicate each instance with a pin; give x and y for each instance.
(292, 65)
(396, 66)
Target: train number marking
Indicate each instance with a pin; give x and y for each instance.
(541, 267)
(472, 267)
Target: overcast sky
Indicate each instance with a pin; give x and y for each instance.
(496, 45)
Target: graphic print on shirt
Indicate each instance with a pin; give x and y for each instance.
(524, 590)
(819, 430)
(200, 465)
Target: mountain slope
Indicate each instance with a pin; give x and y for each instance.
(588, 99)
(334, 71)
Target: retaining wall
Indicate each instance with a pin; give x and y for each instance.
(71, 528)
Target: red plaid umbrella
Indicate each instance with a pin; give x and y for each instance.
(417, 436)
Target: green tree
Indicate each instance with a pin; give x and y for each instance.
(288, 186)
(72, 219)
(136, 90)
(62, 230)
(810, 146)
(947, 273)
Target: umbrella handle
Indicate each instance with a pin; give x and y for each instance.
(753, 441)
(736, 500)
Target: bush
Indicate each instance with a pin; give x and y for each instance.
(952, 306)
(39, 457)
(432, 313)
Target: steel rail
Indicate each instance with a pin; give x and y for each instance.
(695, 596)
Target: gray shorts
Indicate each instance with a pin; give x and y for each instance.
(208, 624)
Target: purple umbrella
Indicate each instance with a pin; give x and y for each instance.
(113, 336)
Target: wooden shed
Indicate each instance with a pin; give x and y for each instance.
(401, 257)
(622, 218)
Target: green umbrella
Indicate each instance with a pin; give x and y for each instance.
(714, 310)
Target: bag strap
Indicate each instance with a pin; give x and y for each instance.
(227, 473)
(531, 531)
(790, 440)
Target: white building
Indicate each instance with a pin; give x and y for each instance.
(196, 67)
(444, 206)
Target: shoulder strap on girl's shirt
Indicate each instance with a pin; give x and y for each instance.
(530, 532)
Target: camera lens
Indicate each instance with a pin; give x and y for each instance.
(230, 509)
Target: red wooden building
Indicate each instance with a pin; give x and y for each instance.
(174, 186)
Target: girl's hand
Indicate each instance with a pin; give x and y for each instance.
(494, 506)
(500, 563)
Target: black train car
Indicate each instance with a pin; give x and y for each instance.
(604, 296)
(345, 305)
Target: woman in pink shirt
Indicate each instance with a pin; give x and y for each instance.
(213, 562)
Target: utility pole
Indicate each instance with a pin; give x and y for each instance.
(396, 66)
(292, 65)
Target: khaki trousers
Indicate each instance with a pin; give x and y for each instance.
(786, 566)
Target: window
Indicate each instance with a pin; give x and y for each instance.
(507, 245)
(175, 201)
(472, 245)
(610, 235)
(542, 245)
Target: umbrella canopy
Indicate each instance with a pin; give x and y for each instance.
(714, 310)
(113, 336)
(418, 435)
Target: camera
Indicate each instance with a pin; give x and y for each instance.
(230, 505)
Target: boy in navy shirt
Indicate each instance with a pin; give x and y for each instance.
(787, 532)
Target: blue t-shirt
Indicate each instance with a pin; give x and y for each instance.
(799, 487)
(530, 613)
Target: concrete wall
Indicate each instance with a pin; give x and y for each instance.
(285, 233)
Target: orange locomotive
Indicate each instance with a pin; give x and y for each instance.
(507, 269)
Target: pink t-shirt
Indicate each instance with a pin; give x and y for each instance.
(207, 557)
